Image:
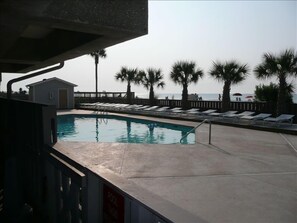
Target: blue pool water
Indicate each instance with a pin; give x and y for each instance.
(118, 129)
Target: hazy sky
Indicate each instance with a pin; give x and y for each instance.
(202, 31)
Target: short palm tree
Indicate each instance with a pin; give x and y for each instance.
(184, 73)
(130, 76)
(96, 55)
(152, 77)
(230, 72)
(281, 67)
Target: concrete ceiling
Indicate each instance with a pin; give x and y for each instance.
(36, 34)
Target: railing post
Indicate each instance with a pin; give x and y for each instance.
(209, 135)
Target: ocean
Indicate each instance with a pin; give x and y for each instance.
(205, 97)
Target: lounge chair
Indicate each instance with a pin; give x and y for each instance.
(162, 109)
(192, 111)
(181, 112)
(245, 113)
(284, 118)
(175, 110)
(151, 108)
(255, 118)
(221, 114)
(207, 112)
(136, 109)
(235, 117)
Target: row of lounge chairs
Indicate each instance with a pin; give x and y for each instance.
(212, 114)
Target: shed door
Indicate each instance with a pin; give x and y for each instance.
(63, 98)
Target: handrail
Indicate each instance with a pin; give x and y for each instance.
(102, 110)
(209, 135)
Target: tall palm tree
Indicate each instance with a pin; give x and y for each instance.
(184, 73)
(230, 72)
(96, 55)
(152, 77)
(130, 76)
(281, 67)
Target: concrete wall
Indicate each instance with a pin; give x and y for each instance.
(48, 93)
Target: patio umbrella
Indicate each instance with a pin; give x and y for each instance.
(237, 94)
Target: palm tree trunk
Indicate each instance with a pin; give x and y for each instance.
(96, 75)
(185, 97)
(281, 102)
(152, 96)
(129, 93)
(226, 97)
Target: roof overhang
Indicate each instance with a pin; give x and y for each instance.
(37, 34)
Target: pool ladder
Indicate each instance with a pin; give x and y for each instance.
(196, 127)
(102, 111)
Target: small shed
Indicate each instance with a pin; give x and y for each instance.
(53, 91)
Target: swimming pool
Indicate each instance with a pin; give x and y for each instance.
(109, 128)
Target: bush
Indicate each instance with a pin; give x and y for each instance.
(269, 93)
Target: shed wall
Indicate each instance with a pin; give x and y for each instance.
(48, 93)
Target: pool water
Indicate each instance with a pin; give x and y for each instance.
(106, 128)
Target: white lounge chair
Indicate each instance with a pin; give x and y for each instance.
(207, 112)
(235, 117)
(181, 112)
(221, 114)
(192, 110)
(245, 113)
(162, 109)
(151, 108)
(255, 118)
(284, 118)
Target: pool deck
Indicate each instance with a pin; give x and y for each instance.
(243, 176)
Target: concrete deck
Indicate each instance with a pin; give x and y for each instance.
(244, 176)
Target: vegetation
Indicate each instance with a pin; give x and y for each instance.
(281, 66)
(269, 93)
(152, 77)
(230, 73)
(129, 76)
(96, 55)
(266, 92)
(185, 73)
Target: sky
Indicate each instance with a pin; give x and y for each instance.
(199, 31)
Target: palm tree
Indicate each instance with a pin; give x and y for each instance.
(231, 72)
(96, 55)
(153, 77)
(281, 67)
(129, 76)
(184, 73)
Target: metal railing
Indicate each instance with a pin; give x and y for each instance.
(194, 129)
